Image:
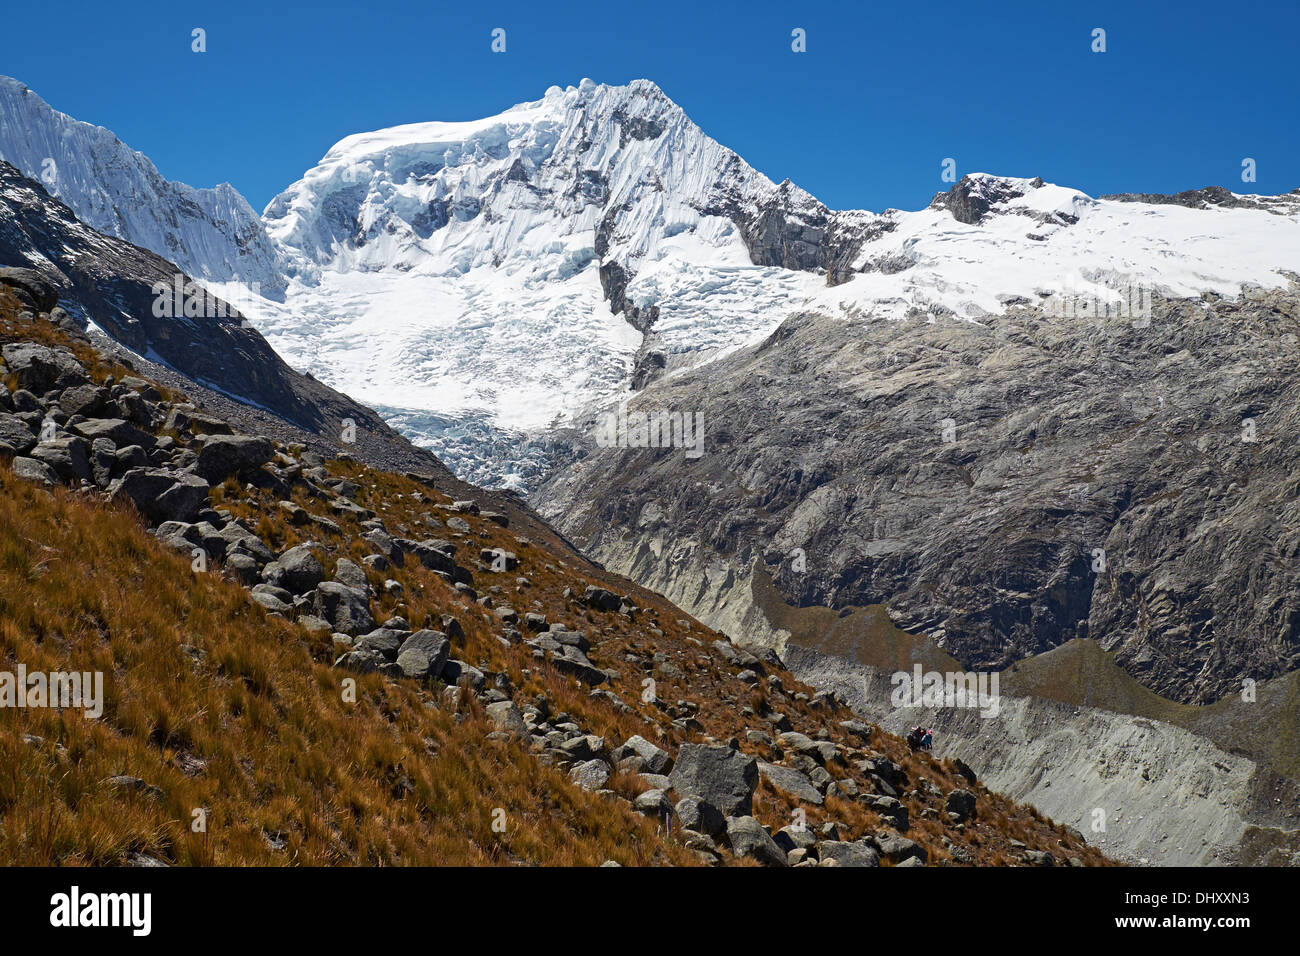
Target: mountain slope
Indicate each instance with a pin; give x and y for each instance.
(246, 678)
(212, 234)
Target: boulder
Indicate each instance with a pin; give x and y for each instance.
(845, 853)
(162, 495)
(347, 609)
(701, 816)
(590, 774)
(749, 838)
(15, 433)
(382, 640)
(894, 847)
(654, 760)
(654, 803)
(67, 456)
(297, 570)
(423, 655)
(724, 777)
(345, 572)
(88, 400)
(240, 455)
(960, 805)
(506, 717)
(791, 781)
(600, 599)
(33, 469)
(39, 368)
(121, 432)
(31, 286)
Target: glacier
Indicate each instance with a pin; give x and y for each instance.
(482, 282)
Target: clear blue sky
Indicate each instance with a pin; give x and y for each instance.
(863, 119)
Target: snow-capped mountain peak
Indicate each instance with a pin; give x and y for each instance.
(478, 280)
(210, 233)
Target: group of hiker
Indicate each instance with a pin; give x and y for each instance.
(919, 738)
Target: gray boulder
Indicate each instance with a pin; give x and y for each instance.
(423, 655)
(67, 456)
(724, 777)
(240, 455)
(654, 759)
(33, 469)
(347, 609)
(848, 854)
(960, 805)
(297, 570)
(15, 433)
(506, 717)
(590, 775)
(791, 781)
(161, 494)
(701, 816)
(749, 838)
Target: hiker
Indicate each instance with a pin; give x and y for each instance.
(914, 738)
(926, 739)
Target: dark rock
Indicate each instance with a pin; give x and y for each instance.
(724, 777)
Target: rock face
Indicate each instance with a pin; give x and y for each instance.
(1002, 487)
(721, 776)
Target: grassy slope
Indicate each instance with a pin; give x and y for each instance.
(220, 706)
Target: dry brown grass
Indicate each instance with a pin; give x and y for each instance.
(194, 673)
(223, 707)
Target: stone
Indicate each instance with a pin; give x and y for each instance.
(600, 599)
(161, 494)
(590, 774)
(847, 853)
(38, 368)
(748, 838)
(347, 609)
(423, 655)
(894, 847)
(67, 456)
(702, 816)
(654, 803)
(119, 431)
(792, 782)
(33, 469)
(654, 760)
(724, 777)
(15, 433)
(960, 804)
(242, 456)
(507, 718)
(298, 570)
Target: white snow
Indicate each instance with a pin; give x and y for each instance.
(210, 233)
(448, 273)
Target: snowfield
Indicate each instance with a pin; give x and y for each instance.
(480, 281)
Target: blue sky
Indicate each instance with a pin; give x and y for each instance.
(863, 119)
